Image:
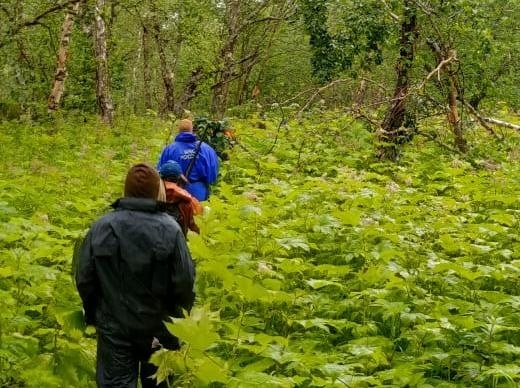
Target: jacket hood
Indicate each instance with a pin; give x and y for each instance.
(186, 137)
(138, 204)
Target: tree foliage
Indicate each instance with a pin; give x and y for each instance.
(276, 45)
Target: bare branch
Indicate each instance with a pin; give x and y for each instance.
(378, 85)
(266, 19)
(501, 123)
(251, 57)
(392, 15)
(480, 119)
(359, 114)
(36, 20)
(317, 92)
(297, 95)
(437, 70)
(436, 141)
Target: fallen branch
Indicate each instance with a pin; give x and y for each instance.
(501, 123)
(480, 119)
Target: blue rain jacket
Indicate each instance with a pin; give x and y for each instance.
(205, 169)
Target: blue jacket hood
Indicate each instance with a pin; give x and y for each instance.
(186, 137)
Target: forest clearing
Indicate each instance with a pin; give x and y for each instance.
(364, 229)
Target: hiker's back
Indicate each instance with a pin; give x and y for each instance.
(187, 206)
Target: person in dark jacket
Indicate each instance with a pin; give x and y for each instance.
(133, 271)
(183, 150)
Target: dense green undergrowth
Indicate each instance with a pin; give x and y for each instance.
(317, 265)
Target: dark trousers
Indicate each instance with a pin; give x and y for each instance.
(121, 361)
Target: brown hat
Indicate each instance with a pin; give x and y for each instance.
(185, 126)
(142, 181)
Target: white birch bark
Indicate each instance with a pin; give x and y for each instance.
(103, 94)
(60, 75)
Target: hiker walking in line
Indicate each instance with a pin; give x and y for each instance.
(133, 270)
(186, 206)
(199, 162)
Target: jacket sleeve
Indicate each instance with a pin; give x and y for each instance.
(211, 164)
(165, 156)
(86, 279)
(183, 275)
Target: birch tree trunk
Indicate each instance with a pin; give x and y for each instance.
(60, 75)
(103, 94)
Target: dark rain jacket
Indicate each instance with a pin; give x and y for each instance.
(134, 270)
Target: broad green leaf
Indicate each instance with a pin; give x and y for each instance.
(208, 371)
(169, 363)
(320, 283)
(348, 217)
(196, 329)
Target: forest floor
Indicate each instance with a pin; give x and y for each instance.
(317, 265)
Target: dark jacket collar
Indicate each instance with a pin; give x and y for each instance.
(138, 204)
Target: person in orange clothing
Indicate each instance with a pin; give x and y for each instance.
(187, 205)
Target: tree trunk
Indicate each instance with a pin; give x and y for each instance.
(103, 94)
(359, 94)
(147, 73)
(226, 73)
(63, 53)
(166, 73)
(391, 134)
(445, 55)
(245, 71)
(453, 115)
(190, 90)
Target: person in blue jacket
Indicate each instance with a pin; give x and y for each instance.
(205, 168)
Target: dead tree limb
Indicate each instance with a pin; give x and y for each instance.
(480, 119)
(437, 70)
(36, 20)
(501, 123)
(295, 97)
